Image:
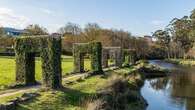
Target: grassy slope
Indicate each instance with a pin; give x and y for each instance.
(7, 69)
(72, 97)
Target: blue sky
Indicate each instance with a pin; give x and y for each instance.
(140, 17)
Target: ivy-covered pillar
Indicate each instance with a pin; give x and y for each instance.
(49, 48)
(96, 57)
(119, 57)
(126, 57)
(105, 55)
(94, 49)
(132, 56)
(51, 63)
(25, 66)
(78, 58)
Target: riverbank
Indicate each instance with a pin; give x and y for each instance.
(184, 62)
(174, 92)
(151, 71)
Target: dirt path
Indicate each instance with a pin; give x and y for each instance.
(20, 90)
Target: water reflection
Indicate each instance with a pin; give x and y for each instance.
(176, 92)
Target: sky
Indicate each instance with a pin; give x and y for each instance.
(140, 17)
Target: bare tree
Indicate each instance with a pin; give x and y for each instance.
(35, 29)
(92, 31)
(70, 28)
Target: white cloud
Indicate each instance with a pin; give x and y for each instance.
(47, 11)
(157, 22)
(8, 18)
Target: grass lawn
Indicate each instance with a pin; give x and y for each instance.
(72, 97)
(7, 69)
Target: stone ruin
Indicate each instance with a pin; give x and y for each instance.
(129, 56)
(113, 53)
(49, 48)
(94, 49)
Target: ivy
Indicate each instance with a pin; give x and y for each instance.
(129, 56)
(49, 48)
(114, 53)
(94, 49)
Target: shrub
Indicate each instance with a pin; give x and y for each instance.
(117, 95)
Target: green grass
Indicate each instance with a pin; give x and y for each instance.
(7, 69)
(73, 97)
(70, 98)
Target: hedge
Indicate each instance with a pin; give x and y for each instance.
(49, 48)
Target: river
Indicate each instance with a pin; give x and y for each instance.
(175, 92)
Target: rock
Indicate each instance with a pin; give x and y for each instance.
(8, 106)
(27, 96)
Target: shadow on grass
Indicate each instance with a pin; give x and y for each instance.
(57, 100)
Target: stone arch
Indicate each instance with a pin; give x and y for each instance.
(49, 48)
(94, 49)
(115, 52)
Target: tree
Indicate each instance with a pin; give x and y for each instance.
(35, 29)
(122, 38)
(70, 28)
(192, 31)
(141, 47)
(91, 31)
(181, 30)
(163, 39)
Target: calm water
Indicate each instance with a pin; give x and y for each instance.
(176, 92)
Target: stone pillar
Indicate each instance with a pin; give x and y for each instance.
(78, 59)
(51, 63)
(105, 55)
(119, 57)
(95, 49)
(96, 57)
(79, 63)
(49, 48)
(25, 68)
